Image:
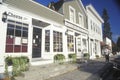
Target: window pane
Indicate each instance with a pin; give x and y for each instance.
(25, 29)
(9, 40)
(11, 26)
(25, 34)
(18, 27)
(24, 48)
(9, 48)
(18, 33)
(10, 31)
(17, 48)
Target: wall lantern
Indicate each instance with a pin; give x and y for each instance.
(66, 32)
(4, 16)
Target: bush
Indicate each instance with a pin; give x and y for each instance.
(59, 58)
(97, 56)
(8, 61)
(19, 64)
(86, 56)
(72, 57)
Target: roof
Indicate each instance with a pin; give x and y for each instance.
(60, 3)
(93, 10)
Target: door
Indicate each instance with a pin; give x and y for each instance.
(78, 47)
(36, 45)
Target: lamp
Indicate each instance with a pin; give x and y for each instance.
(4, 16)
(66, 32)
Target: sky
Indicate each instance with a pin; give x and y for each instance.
(99, 5)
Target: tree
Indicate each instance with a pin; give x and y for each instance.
(118, 43)
(106, 26)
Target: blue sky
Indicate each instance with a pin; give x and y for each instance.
(113, 12)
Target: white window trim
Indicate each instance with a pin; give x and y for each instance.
(71, 8)
(81, 24)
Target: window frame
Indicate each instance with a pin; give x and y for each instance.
(70, 43)
(47, 41)
(57, 41)
(19, 43)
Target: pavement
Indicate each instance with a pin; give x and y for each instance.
(67, 71)
(86, 71)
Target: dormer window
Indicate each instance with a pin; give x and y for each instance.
(72, 14)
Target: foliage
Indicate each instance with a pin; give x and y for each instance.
(118, 44)
(19, 64)
(72, 57)
(106, 27)
(8, 61)
(59, 58)
(97, 56)
(86, 56)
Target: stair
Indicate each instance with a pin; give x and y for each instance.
(37, 62)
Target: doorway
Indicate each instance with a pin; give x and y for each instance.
(36, 42)
(78, 47)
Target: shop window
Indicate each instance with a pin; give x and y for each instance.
(57, 41)
(47, 40)
(17, 37)
(70, 43)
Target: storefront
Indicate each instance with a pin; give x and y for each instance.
(26, 34)
(77, 39)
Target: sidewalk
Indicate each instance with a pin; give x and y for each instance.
(67, 71)
(84, 72)
(44, 72)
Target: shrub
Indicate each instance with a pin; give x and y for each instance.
(86, 56)
(19, 64)
(8, 61)
(97, 56)
(72, 57)
(59, 58)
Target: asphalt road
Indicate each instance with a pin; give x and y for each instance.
(85, 71)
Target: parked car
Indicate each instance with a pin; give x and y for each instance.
(116, 62)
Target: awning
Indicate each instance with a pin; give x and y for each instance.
(39, 23)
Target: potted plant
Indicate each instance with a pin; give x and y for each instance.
(59, 58)
(72, 57)
(6, 74)
(86, 56)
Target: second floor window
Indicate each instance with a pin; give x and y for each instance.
(72, 14)
(80, 17)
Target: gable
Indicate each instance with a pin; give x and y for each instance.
(78, 7)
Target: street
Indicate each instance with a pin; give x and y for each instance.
(93, 70)
(84, 72)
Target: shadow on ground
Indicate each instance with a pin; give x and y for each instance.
(100, 70)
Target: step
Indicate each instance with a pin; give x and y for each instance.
(38, 62)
